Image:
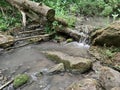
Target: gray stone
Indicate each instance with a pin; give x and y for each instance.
(85, 84)
(72, 63)
(109, 78)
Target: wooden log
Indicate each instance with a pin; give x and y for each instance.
(44, 11)
(32, 31)
(61, 21)
(70, 32)
(43, 37)
(36, 7)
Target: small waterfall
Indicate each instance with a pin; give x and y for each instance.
(84, 42)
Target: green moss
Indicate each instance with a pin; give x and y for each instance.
(20, 80)
(69, 40)
(58, 60)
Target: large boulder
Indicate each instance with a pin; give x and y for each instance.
(72, 63)
(109, 78)
(85, 84)
(109, 36)
(6, 40)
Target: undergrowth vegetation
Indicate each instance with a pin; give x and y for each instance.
(9, 16)
(67, 9)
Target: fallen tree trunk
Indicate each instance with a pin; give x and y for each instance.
(61, 21)
(38, 37)
(32, 31)
(41, 9)
(68, 31)
(43, 37)
(36, 7)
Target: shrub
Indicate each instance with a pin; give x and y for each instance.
(9, 16)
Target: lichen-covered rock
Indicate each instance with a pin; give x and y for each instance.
(6, 40)
(57, 68)
(109, 78)
(85, 84)
(109, 36)
(72, 63)
(20, 80)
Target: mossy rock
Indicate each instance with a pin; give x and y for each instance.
(58, 60)
(20, 80)
(109, 36)
(75, 64)
(69, 40)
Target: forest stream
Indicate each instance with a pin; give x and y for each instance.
(32, 61)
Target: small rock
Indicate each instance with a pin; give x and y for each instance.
(20, 80)
(109, 78)
(57, 68)
(85, 84)
(76, 64)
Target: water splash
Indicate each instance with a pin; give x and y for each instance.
(84, 40)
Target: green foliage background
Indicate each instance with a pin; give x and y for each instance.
(9, 16)
(85, 7)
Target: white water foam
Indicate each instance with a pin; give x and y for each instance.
(83, 42)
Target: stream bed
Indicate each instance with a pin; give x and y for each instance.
(29, 59)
